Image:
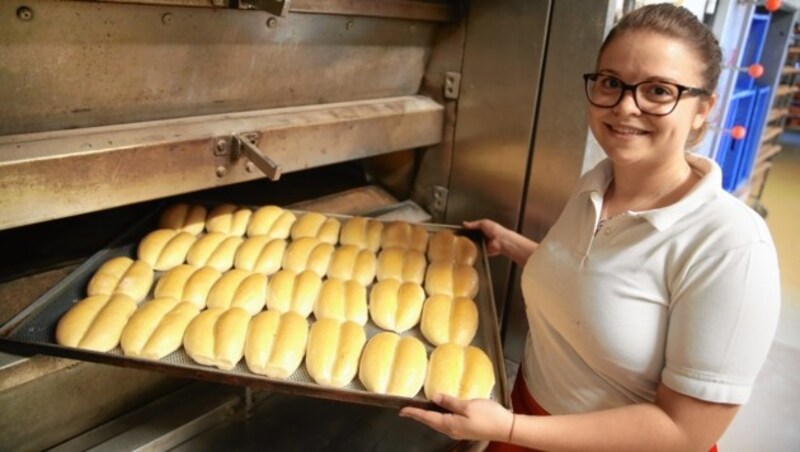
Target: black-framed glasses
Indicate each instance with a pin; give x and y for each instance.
(654, 98)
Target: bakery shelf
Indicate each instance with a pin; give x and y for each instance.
(783, 90)
(790, 70)
(766, 152)
(770, 133)
(32, 331)
(777, 113)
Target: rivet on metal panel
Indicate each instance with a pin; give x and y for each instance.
(452, 85)
(249, 167)
(440, 195)
(272, 22)
(24, 13)
(221, 147)
(349, 25)
(412, 28)
(221, 170)
(166, 18)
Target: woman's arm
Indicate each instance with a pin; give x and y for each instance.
(674, 422)
(500, 240)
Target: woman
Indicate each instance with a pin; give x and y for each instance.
(653, 300)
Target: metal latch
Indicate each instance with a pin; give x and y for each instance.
(452, 85)
(244, 144)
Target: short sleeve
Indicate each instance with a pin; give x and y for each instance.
(723, 317)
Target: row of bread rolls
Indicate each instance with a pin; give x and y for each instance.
(276, 222)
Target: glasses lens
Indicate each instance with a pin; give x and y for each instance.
(657, 97)
(603, 90)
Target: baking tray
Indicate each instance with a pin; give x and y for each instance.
(32, 331)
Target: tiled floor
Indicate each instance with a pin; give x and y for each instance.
(769, 420)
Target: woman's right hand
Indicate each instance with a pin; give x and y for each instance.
(503, 241)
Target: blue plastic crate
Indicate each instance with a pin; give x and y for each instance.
(754, 132)
(753, 48)
(729, 155)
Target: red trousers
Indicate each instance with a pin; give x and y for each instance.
(523, 403)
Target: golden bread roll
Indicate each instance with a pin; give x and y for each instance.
(216, 337)
(164, 249)
(401, 264)
(396, 306)
(95, 323)
(313, 224)
(334, 349)
(342, 300)
(308, 253)
(187, 283)
(401, 234)
(271, 221)
(290, 291)
(214, 249)
(156, 329)
(260, 254)
(449, 247)
(122, 275)
(453, 280)
(362, 233)
(393, 365)
(229, 219)
(446, 319)
(184, 217)
(239, 289)
(276, 343)
(350, 262)
(462, 372)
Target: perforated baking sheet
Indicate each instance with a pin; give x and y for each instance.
(33, 332)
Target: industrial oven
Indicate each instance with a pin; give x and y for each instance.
(431, 111)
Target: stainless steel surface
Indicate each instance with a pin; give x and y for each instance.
(496, 114)
(80, 64)
(562, 131)
(57, 174)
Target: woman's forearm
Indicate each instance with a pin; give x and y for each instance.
(518, 248)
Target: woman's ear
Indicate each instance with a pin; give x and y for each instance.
(704, 108)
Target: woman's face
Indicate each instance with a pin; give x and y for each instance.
(626, 134)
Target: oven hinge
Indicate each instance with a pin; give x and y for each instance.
(245, 145)
(452, 85)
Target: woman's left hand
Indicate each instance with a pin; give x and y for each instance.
(478, 419)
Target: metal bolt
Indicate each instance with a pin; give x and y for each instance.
(349, 25)
(249, 167)
(412, 28)
(221, 147)
(221, 170)
(24, 13)
(166, 18)
(272, 22)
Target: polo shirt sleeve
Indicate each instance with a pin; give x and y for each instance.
(724, 313)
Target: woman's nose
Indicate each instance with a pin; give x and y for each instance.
(627, 105)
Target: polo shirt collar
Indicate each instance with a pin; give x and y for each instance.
(598, 179)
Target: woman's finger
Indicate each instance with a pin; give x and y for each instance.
(432, 419)
(451, 404)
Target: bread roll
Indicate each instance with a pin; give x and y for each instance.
(362, 233)
(95, 323)
(449, 247)
(156, 329)
(313, 224)
(214, 249)
(229, 219)
(276, 343)
(188, 283)
(446, 319)
(184, 217)
(271, 221)
(216, 337)
(400, 234)
(350, 262)
(308, 253)
(401, 264)
(240, 289)
(453, 280)
(164, 249)
(122, 275)
(393, 365)
(396, 306)
(462, 372)
(290, 291)
(260, 254)
(342, 300)
(334, 349)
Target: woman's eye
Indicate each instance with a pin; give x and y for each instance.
(661, 91)
(609, 82)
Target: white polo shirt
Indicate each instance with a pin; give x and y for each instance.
(688, 294)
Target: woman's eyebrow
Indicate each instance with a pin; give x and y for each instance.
(653, 78)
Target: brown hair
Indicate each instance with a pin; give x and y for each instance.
(679, 23)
